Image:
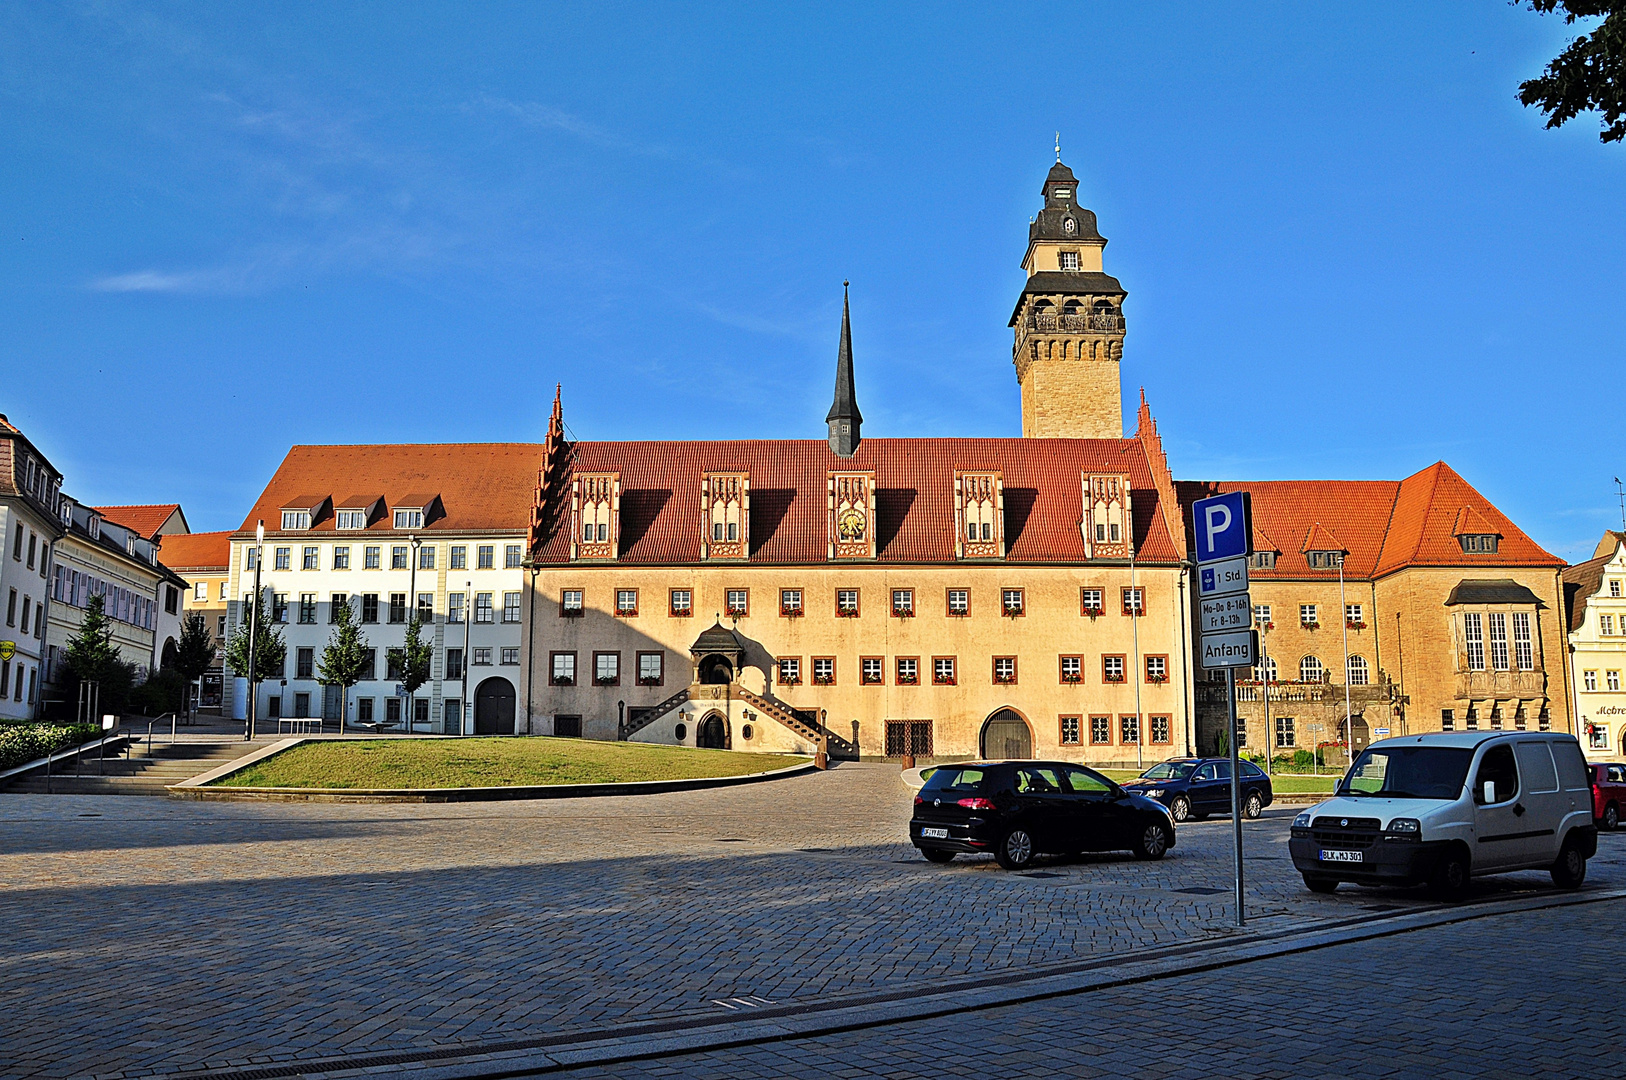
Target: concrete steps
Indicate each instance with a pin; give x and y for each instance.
(143, 772)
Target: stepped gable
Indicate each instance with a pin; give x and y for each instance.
(1423, 530)
(196, 551)
(914, 480)
(482, 486)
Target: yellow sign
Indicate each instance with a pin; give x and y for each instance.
(8, 649)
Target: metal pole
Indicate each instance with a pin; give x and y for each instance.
(468, 617)
(1264, 681)
(412, 598)
(1236, 790)
(1349, 723)
(1140, 675)
(253, 635)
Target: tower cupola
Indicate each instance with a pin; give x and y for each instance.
(844, 419)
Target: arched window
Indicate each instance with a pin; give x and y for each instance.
(1310, 670)
(1357, 671)
(1105, 316)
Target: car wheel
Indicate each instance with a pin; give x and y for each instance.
(1611, 817)
(1180, 809)
(1015, 849)
(1254, 806)
(1453, 876)
(1154, 841)
(1569, 869)
(1320, 884)
(937, 855)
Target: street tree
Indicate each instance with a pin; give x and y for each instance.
(270, 651)
(1588, 75)
(194, 653)
(412, 664)
(92, 657)
(344, 659)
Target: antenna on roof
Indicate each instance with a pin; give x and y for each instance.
(1620, 492)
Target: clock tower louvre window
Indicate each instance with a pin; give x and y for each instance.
(595, 504)
(850, 499)
(979, 515)
(725, 509)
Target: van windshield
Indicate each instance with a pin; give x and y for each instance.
(1409, 772)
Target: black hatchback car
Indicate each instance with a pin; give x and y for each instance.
(1193, 788)
(1019, 809)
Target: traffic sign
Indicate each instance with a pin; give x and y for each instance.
(1223, 578)
(1239, 648)
(1223, 526)
(1224, 613)
(1380, 732)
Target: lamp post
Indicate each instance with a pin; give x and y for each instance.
(253, 633)
(1134, 622)
(1349, 722)
(412, 598)
(468, 617)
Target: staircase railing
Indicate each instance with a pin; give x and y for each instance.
(154, 721)
(811, 730)
(632, 727)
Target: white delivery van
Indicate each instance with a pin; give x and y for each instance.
(1445, 807)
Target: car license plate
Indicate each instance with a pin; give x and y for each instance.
(1341, 856)
(934, 834)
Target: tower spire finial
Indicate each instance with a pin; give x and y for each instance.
(1058, 148)
(844, 418)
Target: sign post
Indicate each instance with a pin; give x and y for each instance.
(1223, 526)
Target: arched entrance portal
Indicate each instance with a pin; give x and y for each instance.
(712, 733)
(494, 707)
(170, 654)
(1005, 735)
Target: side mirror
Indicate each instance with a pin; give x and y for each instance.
(1489, 792)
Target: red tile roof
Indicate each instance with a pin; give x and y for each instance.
(914, 479)
(483, 486)
(196, 551)
(1384, 525)
(144, 520)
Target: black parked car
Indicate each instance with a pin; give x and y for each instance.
(1193, 788)
(1019, 809)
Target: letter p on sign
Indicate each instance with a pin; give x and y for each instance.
(1224, 526)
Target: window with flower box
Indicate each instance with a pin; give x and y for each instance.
(903, 603)
(626, 602)
(1091, 601)
(871, 670)
(1012, 602)
(607, 669)
(943, 671)
(790, 603)
(907, 670)
(1129, 728)
(1157, 669)
(1308, 616)
(824, 671)
(847, 603)
(680, 603)
(959, 602)
(1261, 617)
(1005, 670)
(1355, 616)
(563, 668)
(738, 602)
(570, 604)
(1162, 730)
(1070, 730)
(1100, 731)
(1072, 669)
(651, 668)
(1112, 668)
(1134, 601)
(790, 670)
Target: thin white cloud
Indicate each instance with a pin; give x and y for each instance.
(145, 281)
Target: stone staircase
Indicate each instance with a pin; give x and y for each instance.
(142, 772)
(633, 727)
(804, 726)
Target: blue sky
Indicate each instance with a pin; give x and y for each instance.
(1349, 251)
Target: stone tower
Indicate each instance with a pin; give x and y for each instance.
(1069, 323)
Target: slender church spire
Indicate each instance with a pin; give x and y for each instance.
(844, 418)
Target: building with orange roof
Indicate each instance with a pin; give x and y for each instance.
(204, 561)
(1595, 595)
(149, 520)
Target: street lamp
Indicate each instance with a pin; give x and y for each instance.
(468, 617)
(253, 633)
(412, 598)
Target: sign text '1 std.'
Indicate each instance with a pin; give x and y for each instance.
(1223, 578)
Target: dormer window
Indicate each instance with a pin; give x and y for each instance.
(1325, 560)
(980, 503)
(1107, 515)
(351, 519)
(726, 506)
(1262, 560)
(409, 519)
(596, 504)
(1478, 543)
(1067, 260)
(93, 525)
(293, 520)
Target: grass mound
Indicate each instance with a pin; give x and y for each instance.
(491, 762)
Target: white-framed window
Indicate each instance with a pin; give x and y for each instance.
(570, 601)
(1498, 640)
(1262, 560)
(454, 607)
(790, 601)
(959, 601)
(1072, 669)
(281, 558)
(223, 590)
(1134, 601)
(1325, 560)
(482, 607)
(310, 558)
(824, 670)
(1067, 260)
(682, 602)
(1070, 730)
(943, 670)
(1157, 669)
(1092, 601)
(1112, 669)
(1308, 615)
(459, 557)
(1614, 586)
(1611, 679)
(1478, 543)
(1266, 671)
(511, 555)
(908, 671)
(1358, 675)
(1597, 737)
(1004, 669)
(606, 667)
(350, 519)
(790, 671)
(1589, 680)
(1310, 670)
(738, 601)
(1606, 625)
(1011, 601)
(847, 601)
(200, 592)
(626, 602)
(871, 671)
(1129, 728)
(1522, 653)
(510, 607)
(426, 557)
(1261, 614)
(1473, 635)
(409, 519)
(564, 668)
(295, 520)
(398, 557)
(903, 602)
(1354, 614)
(485, 556)
(372, 557)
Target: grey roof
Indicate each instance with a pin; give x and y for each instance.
(1491, 591)
(717, 638)
(1067, 283)
(845, 405)
(1051, 222)
(1581, 583)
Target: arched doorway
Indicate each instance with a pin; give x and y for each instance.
(1006, 735)
(712, 733)
(169, 655)
(494, 707)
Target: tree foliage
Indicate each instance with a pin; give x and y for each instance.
(270, 651)
(344, 659)
(91, 656)
(1588, 75)
(196, 649)
(415, 657)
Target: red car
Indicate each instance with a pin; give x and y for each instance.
(1608, 794)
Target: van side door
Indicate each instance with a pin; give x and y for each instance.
(1545, 805)
(1498, 828)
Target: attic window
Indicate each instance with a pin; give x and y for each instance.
(1067, 260)
(409, 519)
(1325, 560)
(351, 519)
(1478, 543)
(296, 519)
(93, 525)
(1262, 560)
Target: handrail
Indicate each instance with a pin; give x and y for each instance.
(173, 717)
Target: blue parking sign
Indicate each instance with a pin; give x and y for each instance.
(1223, 527)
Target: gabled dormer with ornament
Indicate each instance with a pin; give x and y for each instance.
(850, 516)
(595, 514)
(1108, 516)
(979, 515)
(725, 515)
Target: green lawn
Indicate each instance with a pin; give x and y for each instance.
(1282, 783)
(451, 763)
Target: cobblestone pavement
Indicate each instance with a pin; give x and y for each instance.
(146, 935)
(1508, 996)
